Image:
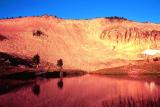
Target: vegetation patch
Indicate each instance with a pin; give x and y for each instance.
(6, 58)
(38, 33)
(116, 17)
(2, 37)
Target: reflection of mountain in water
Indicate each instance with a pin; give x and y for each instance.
(86, 91)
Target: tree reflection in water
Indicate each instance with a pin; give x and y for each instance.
(60, 81)
(36, 89)
(60, 84)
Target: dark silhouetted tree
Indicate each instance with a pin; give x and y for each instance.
(60, 63)
(36, 59)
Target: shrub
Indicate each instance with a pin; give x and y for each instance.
(38, 33)
(156, 59)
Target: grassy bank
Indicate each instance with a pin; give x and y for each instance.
(145, 68)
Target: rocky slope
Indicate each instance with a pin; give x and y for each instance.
(82, 44)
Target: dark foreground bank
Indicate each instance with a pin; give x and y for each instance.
(45, 74)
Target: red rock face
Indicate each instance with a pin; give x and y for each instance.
(135, 35)
(82, 44)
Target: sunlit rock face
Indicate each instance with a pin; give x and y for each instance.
(128, 35)
(82, 44)
(131, 40)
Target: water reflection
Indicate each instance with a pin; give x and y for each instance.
(151, 85)
(60, 84)
(60, 81)
(87, 91)
(36, 89)
(7, 86)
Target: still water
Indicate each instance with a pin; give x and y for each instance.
(83, 91)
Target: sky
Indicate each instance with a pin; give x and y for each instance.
(137, 10)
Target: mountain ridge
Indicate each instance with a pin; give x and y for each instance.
(56, 17)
